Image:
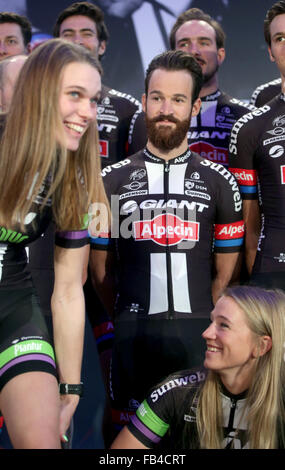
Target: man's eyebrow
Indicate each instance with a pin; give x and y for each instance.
(280, 33)
(158, 92)
(82, 30)
(198, 37)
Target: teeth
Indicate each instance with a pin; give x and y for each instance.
(75, 127)
(212, 348)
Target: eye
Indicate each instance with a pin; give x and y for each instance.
(182, 45)
(74, 94)
(156, 98)
(224, 325)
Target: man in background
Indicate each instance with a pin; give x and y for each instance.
(15, 34)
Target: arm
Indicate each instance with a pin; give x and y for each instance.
(252, 220)
(103, 276)
(68, 310)
(126, 440)
(224, 264)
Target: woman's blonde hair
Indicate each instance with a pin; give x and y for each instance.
(265, 315)
(30, 153)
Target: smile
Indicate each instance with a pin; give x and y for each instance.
(75, 127)
(213, 349)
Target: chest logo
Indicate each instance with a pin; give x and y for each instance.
(166, 229)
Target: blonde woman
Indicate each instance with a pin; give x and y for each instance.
(238, 400)
(49, 169)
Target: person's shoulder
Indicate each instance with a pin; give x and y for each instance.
(238, 106)
(265, 92)
(119, 98)
(186, 380)
(119, 168)
(253, 121)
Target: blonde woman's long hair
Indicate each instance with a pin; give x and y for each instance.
(30, 152)
(265, 314)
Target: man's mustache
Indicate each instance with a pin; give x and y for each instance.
(165, 117)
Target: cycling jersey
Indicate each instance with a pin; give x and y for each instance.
(167, 417)
(257, 155)
(265, 92)
(164, 217)
(209, 132)
(24, 338)
(114, 114)
(166, 213)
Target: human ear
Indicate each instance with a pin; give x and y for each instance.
(102, 48)
(221, 55)
(144, 102)
(264, 345)
(196, 107)
(271, 55)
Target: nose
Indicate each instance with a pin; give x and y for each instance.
(3, 50)
(87, 111)
(210, 332)
(77, 39)
(193, 48)
(166, 107)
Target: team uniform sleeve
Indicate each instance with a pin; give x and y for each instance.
(72, 239)
(241, 158)
(164, 408)
(229, 225)
(102, 240)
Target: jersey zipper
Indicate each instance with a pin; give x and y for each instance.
(168, 257)
(230, 427)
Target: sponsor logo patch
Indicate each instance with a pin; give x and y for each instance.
(166, 229)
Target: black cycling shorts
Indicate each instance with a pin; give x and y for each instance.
(25, 344)
(145, 352)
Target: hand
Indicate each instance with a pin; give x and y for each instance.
(68, 405)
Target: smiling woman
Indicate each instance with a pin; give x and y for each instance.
(239, 402)
(50, 135)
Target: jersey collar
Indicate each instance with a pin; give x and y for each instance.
(230, 395)
(182, 158)
(213, 96)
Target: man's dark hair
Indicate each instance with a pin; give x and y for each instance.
(175, 61)
(277, 9)
(22, 21)
(84, 9)
(197, 14)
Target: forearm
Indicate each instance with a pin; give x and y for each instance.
(252, 220)
(225, 264)
(103, 278)
(251, 243)
(68, 323)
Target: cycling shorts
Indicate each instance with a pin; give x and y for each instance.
(25, 344)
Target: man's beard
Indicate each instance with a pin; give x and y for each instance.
(164, 137)
(207, 77)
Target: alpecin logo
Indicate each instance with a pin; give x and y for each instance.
(166, 229)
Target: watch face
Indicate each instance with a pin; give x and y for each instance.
(71, 389)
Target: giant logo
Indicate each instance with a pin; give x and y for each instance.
(166, 229)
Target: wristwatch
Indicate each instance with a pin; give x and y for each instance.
(71, 389)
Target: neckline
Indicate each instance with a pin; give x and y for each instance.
(181, 158)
